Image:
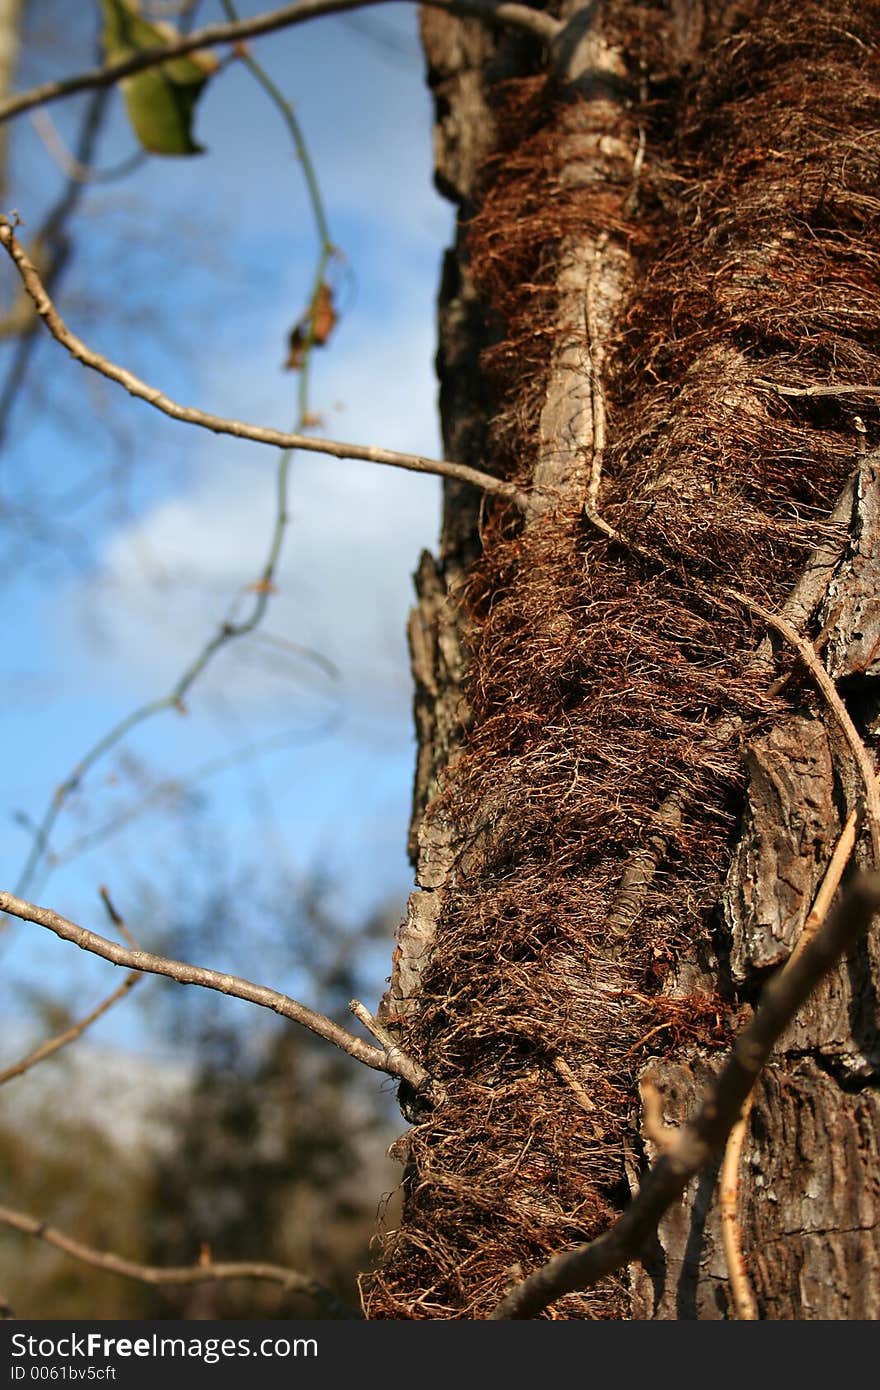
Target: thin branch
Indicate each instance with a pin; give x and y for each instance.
(53, 240)
(288, 115)
(53, 1045)
(217, 424)
(372, 1025)
(744, 1305)
(379, 1059)
(326, 248)
(230, 630)
(807, 654)
(795, 392)
(116, 917)
(503, 12)
(71, 167)
(389, 1043)
(207, 1273)
(703, 1137)
(646, 552)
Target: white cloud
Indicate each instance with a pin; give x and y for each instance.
(356, 530)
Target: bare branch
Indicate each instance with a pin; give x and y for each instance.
(217, 424)
(116, 917)
(372, 1025)
(52, 249)
(388, 1042)
(379, 1059)
(207, 1273)
(231, 629)
(503, 12)
(53, 1045)
(74, 169)
(728, 1186)
(702, 1138)
(796, 392)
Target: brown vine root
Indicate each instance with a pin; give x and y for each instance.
(744, 1303)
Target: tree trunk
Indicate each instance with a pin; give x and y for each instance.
(10, 44)
(626, 794)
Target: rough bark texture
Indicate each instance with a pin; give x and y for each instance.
(626, 794)
(10, 44)
(464, 58)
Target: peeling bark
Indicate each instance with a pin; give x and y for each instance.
(790, 831)
(850, 614)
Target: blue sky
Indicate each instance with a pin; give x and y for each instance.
(191, 272)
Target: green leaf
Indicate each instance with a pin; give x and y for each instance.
(160, 101)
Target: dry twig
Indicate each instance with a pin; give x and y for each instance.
(217, 424)
(76, 1030)
(506, 13)
(796, 392)
(379, 1059)
(744, 1304)
(387, 1040)
(69, 1035)
(201, 1273)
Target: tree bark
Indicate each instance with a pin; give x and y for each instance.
(10, 45)
(626, 794)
